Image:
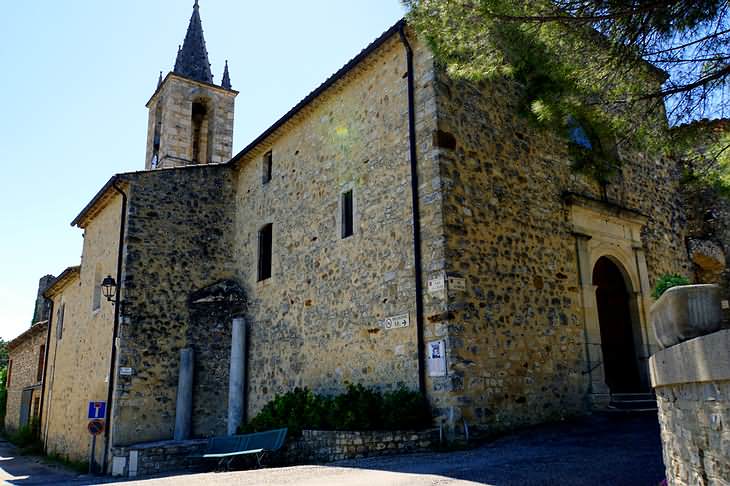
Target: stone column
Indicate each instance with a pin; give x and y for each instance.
(237, 375)
(184, 405)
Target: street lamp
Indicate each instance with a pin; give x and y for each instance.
(109, 287)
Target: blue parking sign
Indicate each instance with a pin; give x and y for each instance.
(97, 410)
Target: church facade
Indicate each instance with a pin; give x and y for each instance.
(397, 227)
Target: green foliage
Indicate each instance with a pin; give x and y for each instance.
(27, 437)
(359, 408)
(704, 150)
(666, 282)
(3, 395)
(81, 467)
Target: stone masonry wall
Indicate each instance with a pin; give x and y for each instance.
(695, 420)
(515, 336)
(319, 320)
(314, 446)
(24, 353)
(692, 385)
(179, 240)
(321, 446)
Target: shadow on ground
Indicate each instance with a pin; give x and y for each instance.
(598, 450)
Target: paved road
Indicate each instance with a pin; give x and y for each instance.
(612, 451)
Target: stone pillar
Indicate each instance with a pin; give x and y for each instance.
(237, 375)
(184, 405)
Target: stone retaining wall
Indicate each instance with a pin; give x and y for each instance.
(314, 446)
(157, 457)
(692, 384)
(329, 445)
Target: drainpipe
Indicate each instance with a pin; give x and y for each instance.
(115, 332)
(45, 368)
(416, 210)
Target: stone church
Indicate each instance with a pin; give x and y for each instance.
(397, 227)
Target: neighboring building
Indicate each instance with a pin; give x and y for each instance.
(396, 228)
(26, 358)
(26, 365)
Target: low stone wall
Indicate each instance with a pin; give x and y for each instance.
(157, 457)
(321, 446)
(314, 446)
(692, 384)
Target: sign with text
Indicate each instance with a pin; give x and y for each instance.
(97, 410)
(396, 322)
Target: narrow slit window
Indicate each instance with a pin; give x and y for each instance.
(59, 322)
(347, 214)
(41, 358)
(10, 374)
(266, 173)
(265, 244)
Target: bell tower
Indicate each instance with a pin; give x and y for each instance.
(190, 117)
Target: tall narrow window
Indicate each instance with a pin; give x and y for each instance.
(41, 358)
(96, 299)
(59, 321)
(266, 168)
(265, 242)
(10, 373)
(347, 214)
(200, 132)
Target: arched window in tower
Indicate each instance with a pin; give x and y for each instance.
(201, 135)
(156, 136)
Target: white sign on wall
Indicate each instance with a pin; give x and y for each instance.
(126, 371)
(435, 284)
(396, 322)
(436, 358)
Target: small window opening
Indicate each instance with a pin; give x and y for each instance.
(266, 172)
(265, 247)
(578, 135)
(347, 214)
(41, 358)
(443, 139)
(96, 299)
(59, 322)
(10, 373)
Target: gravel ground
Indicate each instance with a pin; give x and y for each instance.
(600, 450)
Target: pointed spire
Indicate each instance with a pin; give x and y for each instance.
(226, 81)
(159, 80)
(192, 57)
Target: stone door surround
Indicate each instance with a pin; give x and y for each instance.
(603, 229)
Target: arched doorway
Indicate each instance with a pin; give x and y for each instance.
(618, 346)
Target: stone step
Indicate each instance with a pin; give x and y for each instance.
(632, 402)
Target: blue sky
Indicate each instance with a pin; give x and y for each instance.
(76, 77)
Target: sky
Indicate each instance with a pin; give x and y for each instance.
(77, 75)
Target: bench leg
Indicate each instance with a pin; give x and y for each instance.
(259, 457)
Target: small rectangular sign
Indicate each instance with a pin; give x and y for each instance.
(436, 284)
(126, 371)
(457, 283)
(97, 410)
(436, 358)
(396, 322)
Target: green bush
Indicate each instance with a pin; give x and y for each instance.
(27, 437)
(666, 282)
(359, 408)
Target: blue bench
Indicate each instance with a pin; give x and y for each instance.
(227, 448)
